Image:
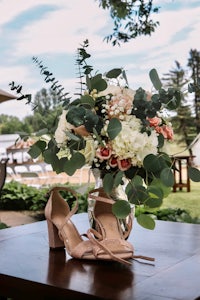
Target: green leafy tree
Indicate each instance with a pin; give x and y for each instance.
(183, 121)
(11, 124)
(132, 18)
(194, 65)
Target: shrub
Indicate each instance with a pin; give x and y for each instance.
(172, 214)
(18, 196)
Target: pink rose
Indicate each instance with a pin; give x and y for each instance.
(154, 122)
(166, 131)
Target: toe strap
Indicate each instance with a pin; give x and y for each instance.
(107, 253)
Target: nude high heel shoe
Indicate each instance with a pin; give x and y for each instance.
(108, 235)
(108, 230)
(61, 230)
(63, 233)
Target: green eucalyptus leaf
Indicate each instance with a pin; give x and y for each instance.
(167, 177)
(114, 73)
(87, 101)
(137, 180)
(121, 209)
(75, 116)
(118, 178)
(155, 79)
(194, 174)
(155, 197)
(161, 140)
(91, 120)
(69, 168)
(114, 128)
(153, 202)
(50, 154)
(131, 192)
(76, 144)
(76, 162)
(146, 221)
(152, 163)
(155, 192)
(98, 83)
(159, 184)
(108, 183)
(37, 148)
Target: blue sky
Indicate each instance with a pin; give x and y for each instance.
(52, 30)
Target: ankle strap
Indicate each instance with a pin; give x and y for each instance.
(100, 198)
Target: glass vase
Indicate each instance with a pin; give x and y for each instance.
(117, 193)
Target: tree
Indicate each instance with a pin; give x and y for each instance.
(183, 121)
(132, 18)
(10, 124)
(194, 64)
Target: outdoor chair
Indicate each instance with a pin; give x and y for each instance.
(3, 165)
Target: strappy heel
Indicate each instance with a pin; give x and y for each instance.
(108, 233)
(61, 231)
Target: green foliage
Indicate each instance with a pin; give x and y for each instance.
(3, 226)
(131, 19)
(10, 124)
(49, 78)
(17, 196)
(18, 88)
(95, 122)
(167, 214)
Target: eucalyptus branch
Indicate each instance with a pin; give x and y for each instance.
(55, 85)
(18, 89)
(83, 68)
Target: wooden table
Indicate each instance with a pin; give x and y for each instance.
(28, 270)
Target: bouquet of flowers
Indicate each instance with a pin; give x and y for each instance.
(119, 131)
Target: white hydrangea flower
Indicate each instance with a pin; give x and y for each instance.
(131, 143)
(63, 126)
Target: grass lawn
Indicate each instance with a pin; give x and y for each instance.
(189, 201)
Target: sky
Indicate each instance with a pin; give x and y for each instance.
(52, 30)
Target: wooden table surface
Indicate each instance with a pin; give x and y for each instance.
(28, 270)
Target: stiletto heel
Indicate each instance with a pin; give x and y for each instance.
(54, 240)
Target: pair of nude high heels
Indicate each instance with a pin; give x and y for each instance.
(105, 242)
